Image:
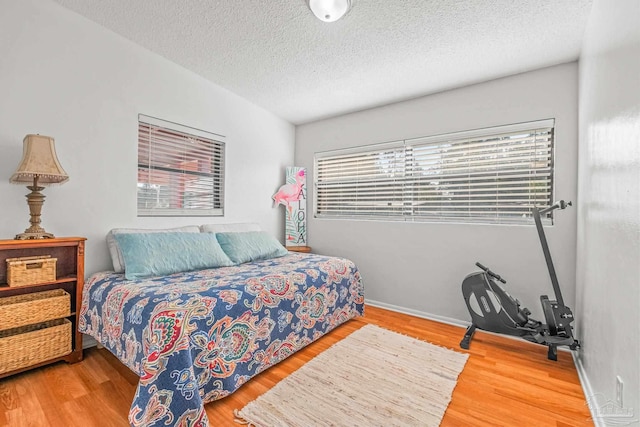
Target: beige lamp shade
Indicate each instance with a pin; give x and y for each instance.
(39, 160)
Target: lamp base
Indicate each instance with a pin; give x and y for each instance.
(31, 235)
(35, 200)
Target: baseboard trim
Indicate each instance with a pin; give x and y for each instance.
(589, 394)
(88, 341)
(418, 313)
(442, 319)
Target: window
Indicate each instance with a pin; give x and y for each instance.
(180, 170)
(493, 175)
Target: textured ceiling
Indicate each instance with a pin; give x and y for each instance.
(276, 54)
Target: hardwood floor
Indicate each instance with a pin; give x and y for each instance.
(504, 383)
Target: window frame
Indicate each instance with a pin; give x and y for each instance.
(217, 174)
(407, 180)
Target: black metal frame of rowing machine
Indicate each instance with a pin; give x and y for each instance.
(553, 310)
(545, 247)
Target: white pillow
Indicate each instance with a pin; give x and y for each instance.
(116, 253)
(230, 228)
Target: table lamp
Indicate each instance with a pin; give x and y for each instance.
(39, 165)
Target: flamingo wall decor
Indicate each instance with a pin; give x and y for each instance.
(293, 196)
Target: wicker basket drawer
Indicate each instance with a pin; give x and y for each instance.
(29, 345)
(31, 270)
(36, 307)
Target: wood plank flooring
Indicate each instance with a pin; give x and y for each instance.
(505, 382)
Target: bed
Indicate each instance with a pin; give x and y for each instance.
(197, 336)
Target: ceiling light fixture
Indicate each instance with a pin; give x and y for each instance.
(329, 10)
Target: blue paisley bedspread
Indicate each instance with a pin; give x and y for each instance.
(196, 337)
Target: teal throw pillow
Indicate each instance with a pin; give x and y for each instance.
(250, 246)
(160, 254)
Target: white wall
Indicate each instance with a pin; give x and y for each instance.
(64, 76)
(608, 246)
(420, 266)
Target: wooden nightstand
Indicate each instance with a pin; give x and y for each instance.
(305, 249)
(31, 334)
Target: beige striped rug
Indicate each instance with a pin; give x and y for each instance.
(373, 377)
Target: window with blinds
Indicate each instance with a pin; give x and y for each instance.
(493, 175)
(180, 170)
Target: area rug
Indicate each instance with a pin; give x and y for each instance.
(373, 377)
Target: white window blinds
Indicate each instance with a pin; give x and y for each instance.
(180, 170)
(493, 175)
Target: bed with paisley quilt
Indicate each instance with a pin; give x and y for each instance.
(195, 337)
